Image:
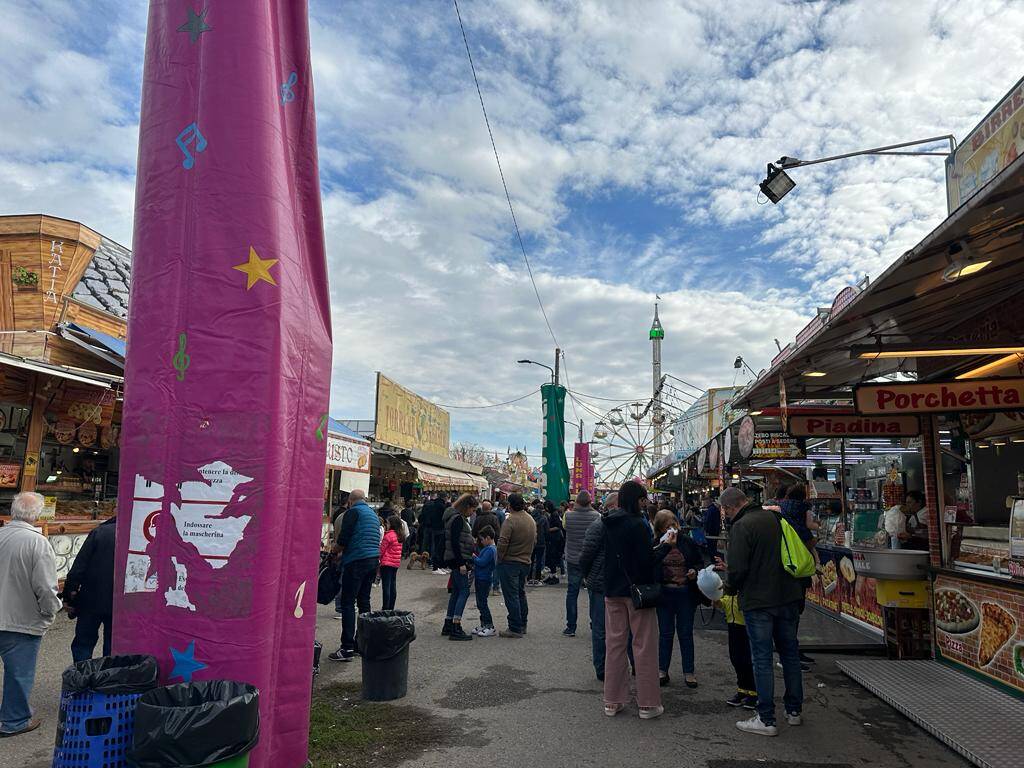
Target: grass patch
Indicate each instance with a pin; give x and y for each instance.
(347, 732)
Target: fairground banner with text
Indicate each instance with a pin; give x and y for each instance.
(582, 470)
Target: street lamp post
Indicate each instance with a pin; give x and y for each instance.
(554, 377)
(777, 183)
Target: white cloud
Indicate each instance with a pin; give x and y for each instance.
(681, 103)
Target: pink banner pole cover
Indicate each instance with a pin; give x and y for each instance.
(228, 367)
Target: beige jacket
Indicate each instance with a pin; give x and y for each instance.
(28, 580)
(518, 535)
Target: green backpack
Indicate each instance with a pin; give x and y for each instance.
(797, 560)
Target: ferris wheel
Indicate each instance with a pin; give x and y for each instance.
(623, 446)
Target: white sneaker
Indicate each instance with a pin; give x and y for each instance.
(442, 572)
(476, 630)
(794, 719)
(649, 713)
(754, 725)
(337, 616)
(485, 632)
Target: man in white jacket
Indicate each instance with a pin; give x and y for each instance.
(28, 606)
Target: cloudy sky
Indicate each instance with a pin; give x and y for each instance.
(632, 134)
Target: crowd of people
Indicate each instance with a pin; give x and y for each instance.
(638, 563)
(640, 566)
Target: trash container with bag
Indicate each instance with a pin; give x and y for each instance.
(383, 638)
(211, 723)
(97, 710)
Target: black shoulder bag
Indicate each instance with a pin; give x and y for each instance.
(642, 595)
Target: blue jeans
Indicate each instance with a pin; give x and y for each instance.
(675, 617)
(513, 588)
(87, 632)
(356, 581)
(778, 625)
(483, 591)
(18, 652)
(572, 597)
(460, 595)
(389, 587)
(597, 630)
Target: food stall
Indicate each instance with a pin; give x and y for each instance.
(936, 338)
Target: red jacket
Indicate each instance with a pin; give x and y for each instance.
(390, 550)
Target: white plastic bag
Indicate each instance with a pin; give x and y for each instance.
(710, 583)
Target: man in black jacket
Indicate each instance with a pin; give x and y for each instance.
(89, 589)
(591, 566)
(433, 532)
(770, 600)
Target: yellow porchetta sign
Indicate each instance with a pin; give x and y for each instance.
(406, 420)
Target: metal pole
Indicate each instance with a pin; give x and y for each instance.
(886, 150)
(842, 483)
(581, 430)
(558, 356)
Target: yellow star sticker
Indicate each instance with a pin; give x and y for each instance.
(256, 269)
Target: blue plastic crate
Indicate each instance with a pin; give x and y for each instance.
(98, 730)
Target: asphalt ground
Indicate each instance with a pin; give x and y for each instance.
(535, 702)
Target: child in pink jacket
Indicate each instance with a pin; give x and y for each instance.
(390, 561)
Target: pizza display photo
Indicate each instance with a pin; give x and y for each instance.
(954, 613)
(997, 627)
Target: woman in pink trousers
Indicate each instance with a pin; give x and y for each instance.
(630, 561)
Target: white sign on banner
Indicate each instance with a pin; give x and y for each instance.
(347, 454)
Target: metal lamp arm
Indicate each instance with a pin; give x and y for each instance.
(789, 162)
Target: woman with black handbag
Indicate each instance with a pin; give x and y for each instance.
(679, 565)
(632, 591)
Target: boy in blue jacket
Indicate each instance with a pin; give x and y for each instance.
(483, 571)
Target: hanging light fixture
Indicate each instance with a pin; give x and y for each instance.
(963, 262)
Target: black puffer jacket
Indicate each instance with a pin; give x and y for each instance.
(628, 553)
(592, 555)
(458, 540)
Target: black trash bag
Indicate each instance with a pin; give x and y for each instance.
(112, 675)
(109, 675)
(195, 724)
(384, 634)
(328, 582)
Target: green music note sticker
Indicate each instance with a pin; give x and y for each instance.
(320, 429)
(181, 360)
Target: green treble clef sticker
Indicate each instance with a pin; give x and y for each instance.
(181, 359)
(320, 428)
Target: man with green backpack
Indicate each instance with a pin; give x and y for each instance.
(765, 565)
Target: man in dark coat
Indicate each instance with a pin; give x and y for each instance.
(89, 590)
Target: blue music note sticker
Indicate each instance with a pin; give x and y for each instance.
(186, 137)
(287, 94)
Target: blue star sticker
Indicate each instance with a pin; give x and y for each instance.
(196, 24)
(185, 664)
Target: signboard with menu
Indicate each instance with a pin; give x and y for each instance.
(347, 454)
(406, 420)
(977, 627)
(9, 473)
(993, 145)
(776, 445)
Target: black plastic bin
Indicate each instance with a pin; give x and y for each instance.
(196, 724)
(383, 638)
